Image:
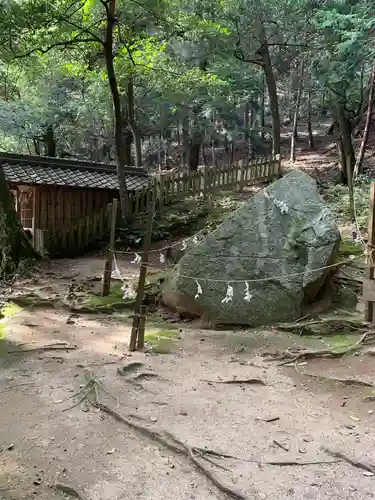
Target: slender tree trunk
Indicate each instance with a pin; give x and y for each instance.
(232, 151)
(119, 129)
(295, 117)
(185, 140)
(309, 127)
(272, 91)
(133, 124)
(49, 142)
(262, 111)
(14, 246)
(194, 150)
(347, 154)
(358, 164)
(246, 120)
(36, 142)
(178, 133)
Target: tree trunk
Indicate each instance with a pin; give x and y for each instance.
(295, 117)
(358, 164)
(262, 112)
(119, 129)
(309, 127)
(246, 121)
(14, 247)
(185, 140)
(49, 142)
(272, 92)
(194, 150)
(36, 142)
(347, 153)
(133, 124)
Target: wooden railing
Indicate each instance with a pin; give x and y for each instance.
(168, 187)
(165, 188)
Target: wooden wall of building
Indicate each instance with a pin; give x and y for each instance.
(57, 207)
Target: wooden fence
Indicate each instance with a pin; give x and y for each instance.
(169, 187)
(165, 188)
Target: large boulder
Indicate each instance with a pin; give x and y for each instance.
(272, 252)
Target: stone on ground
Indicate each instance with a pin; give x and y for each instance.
(271, 251)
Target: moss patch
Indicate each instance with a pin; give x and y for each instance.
(2, 330)
(161, 341)
(348, 247)
(343, 341)
(114, 301)
(10, 310)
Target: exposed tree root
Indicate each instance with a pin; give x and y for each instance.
(345, 381)
(52, 347)
(69, 490)
(10, 387)
(281, 445)
(249, 381)
(290, 356)
(288, 463)
(351, 460)
(196, 455)
(174, 444)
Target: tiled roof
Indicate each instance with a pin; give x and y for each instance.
(40, 170)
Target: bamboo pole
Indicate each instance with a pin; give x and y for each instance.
(134, 337)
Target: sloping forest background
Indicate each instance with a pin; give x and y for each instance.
(160, 83)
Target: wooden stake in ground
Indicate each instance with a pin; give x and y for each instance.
(369, 283)
(109, 259)
(137, 324)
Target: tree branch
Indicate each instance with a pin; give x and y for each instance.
(65, 44)
(240, 56)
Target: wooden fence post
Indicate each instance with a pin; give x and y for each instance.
(109, 259)
(369, 282)
(141, 284)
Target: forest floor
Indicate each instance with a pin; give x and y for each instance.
(277, 425)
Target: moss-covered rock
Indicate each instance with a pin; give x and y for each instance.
(279, 241)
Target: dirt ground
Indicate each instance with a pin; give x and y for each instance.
(43, 440)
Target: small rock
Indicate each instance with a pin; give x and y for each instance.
(154, 419)
(10, 447)
(302, 447)
(354, 418)
(345, 432)
(183, 412)
(349, 426)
